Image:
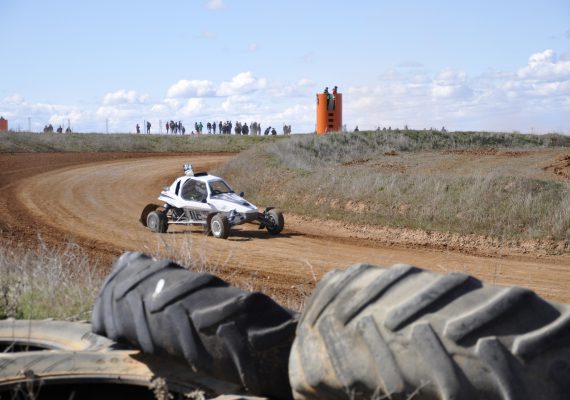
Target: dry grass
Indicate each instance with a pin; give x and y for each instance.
(308, 175)
(95, 142)
(63, 282)
(47, 282)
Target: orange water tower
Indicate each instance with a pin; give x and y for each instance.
(329, 112)
(3, 124)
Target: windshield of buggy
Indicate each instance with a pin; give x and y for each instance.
(219, 187)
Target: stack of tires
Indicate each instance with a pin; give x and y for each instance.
(365, 333)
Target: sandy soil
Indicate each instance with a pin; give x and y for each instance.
(95, 200)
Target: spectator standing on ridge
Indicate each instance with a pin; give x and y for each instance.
(214, 127)
(138, 129)
(209, 127)
(273, 131)
(167, 127)
(148, 127)
(245, 129)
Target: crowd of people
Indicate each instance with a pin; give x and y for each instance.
(220, 128)
(49, 129)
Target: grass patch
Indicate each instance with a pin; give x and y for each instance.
(308, 175)
(63, 282)
(47, 282)
(311, 152)
(94, 142)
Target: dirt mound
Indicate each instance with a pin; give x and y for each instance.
(560, 167)
(489, 151)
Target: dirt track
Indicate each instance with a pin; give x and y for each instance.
(95, 200)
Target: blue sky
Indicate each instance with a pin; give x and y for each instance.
(485, 65)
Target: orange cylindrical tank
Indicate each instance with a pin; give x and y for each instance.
(3, 124)
(329, 113)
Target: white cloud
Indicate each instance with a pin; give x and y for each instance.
(240, 105)
(116, 113)
(192, 107)
(21, 113)
(305, 82)
(242, 83)
(302, 88)
(545, 66)
(451, 91)
(451, 77)
(534, 96)
(194, 88)
(73, 117)
(14, 99)
(215, 4)
(124, 97)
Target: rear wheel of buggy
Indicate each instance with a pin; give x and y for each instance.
(278, 222)
(219, 226)
(157, 222)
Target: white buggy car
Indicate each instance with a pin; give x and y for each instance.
(207, 200)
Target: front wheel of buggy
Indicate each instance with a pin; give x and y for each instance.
(219, 226)
(277, 220)
(156, 222)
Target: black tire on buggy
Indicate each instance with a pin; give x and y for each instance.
(146, 210)
(28, 335)
(402, 333)
(221, 331)
(276, 216)
(157, 221)
(219, 226)
(119, 374)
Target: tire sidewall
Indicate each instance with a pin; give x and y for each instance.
(217, 227)
(153, 221)
(276, 217)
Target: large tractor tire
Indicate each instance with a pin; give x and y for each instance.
(26, 335)
(120, 374)
(221, 331)
(405, 333)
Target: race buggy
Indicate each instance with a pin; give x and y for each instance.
(208, 201)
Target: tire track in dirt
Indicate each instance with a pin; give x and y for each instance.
(97, 204)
